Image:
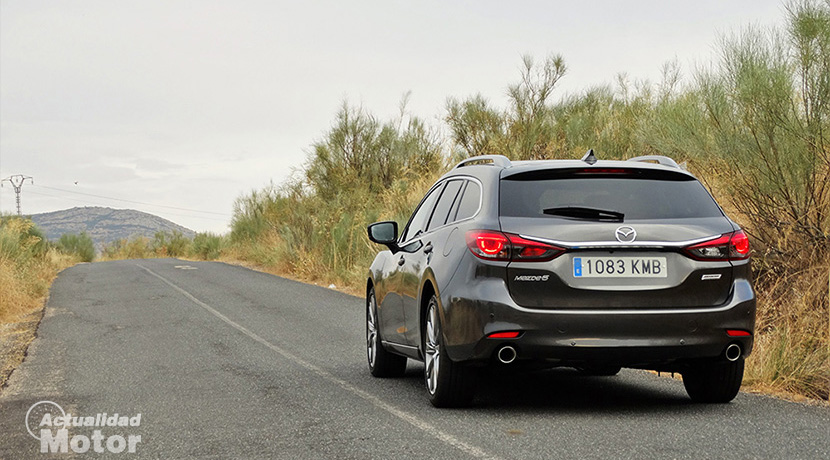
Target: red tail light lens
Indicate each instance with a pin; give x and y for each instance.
(729, 246)
(491, 245)
(524, 249)
(740, 245)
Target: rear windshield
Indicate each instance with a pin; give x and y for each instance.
(636, 198)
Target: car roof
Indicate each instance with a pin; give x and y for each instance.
(491, 163)
(517, 167)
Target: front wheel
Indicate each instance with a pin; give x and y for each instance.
(382, 363)
(449, 384)
(714, 382)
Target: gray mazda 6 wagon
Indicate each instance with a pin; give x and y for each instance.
(590, 264)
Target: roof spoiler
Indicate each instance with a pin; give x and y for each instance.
(495, 160)
(659, 159)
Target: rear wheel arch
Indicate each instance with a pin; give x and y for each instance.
(427, 291)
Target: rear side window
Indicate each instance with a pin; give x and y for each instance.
(470, 202)
(442, 209)
(636, 198)
(418, 221)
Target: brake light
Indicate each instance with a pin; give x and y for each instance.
(604, 171)
(489, 245)
(524, 249)
(492, 245)
(729, 246)
(740, 245)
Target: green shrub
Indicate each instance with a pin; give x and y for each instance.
(207, 246)
(170, 244)
(78, 245)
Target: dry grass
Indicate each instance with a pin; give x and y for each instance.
(27, 268)
(792, 346)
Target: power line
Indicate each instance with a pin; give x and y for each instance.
(17, 182)
(88, 202)
(134, 202)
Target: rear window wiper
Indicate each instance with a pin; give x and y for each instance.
(576, 212)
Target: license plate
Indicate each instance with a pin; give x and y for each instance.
(620, 267)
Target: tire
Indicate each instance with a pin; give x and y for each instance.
(600, 371)
(714, 382)
(382, 363)
(448, 383)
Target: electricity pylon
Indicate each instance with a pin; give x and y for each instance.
(17, 184)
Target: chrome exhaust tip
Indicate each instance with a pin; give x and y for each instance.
(506, 354)
(733, 352)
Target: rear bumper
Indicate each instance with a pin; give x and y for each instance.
(647, 338)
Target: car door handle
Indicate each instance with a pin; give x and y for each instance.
(401, 261)
(428, 248)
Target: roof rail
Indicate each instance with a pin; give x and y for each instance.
(496, 160)
(660, 159)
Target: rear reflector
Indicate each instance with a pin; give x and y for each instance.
(504, 335)
(737, 333)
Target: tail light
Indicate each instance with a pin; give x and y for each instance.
(729, 246)
(492, 245)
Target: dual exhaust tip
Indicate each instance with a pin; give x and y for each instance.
(507, 354)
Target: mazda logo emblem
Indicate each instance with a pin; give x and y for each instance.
(625, 234)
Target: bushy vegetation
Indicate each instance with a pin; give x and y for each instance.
(80, 245)
(170, 244)
(205, 246)
(27, 266)
(362, 170)
(753, 125)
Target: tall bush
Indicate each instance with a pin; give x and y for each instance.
(80, 245)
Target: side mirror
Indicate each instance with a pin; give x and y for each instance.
(385, 233)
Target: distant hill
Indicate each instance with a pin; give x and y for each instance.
(104, 225)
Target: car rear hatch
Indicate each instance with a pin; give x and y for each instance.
(625, 234)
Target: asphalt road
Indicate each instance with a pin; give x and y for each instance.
(225, 362)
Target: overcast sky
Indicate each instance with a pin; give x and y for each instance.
(190, 104)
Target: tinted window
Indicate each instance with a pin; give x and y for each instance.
(419, 219)
(470, 201)
(442, 209)
(635, 198)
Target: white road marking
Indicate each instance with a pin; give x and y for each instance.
(374, 400)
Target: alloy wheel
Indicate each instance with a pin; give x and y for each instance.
(432, 350)
(371, 331)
